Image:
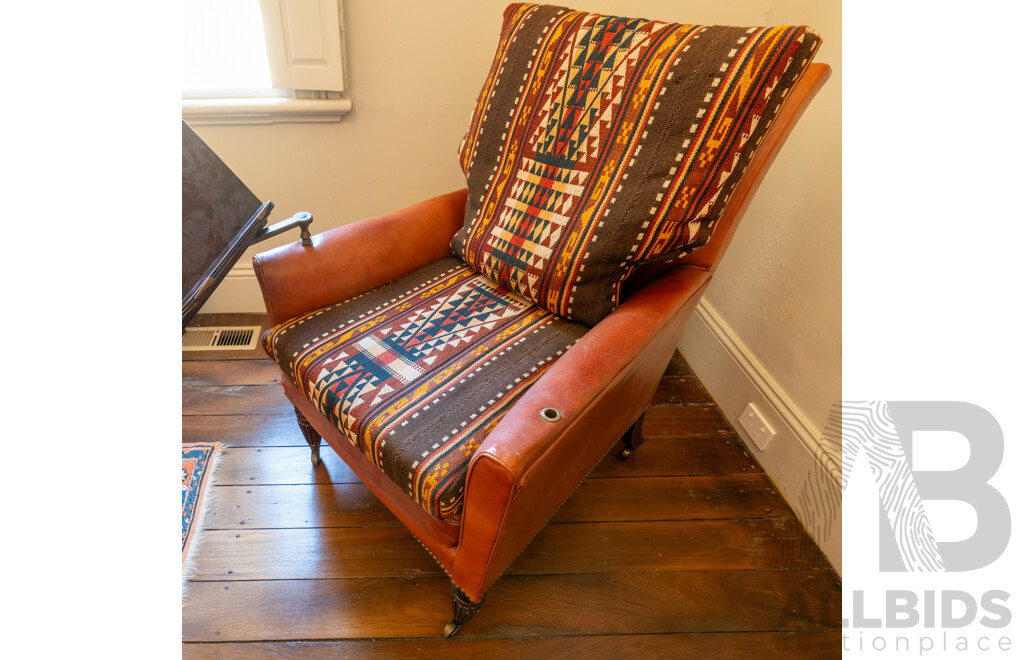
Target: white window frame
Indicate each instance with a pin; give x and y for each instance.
(305, 49)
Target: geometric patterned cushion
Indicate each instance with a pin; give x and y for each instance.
(599, 144)
(418, 372)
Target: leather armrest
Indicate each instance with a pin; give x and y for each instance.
(347, 261)
(612, 350)
(526, 467)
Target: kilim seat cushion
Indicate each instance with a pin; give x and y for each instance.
(599, 144)
(417, 373)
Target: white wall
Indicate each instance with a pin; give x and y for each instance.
(769, 328)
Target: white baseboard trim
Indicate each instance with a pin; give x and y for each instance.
(238, 292)
(802, 467)
(804, 430)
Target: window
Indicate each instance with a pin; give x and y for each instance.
(262, 61)
(224, 50)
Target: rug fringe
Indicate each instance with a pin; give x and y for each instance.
(188, 563)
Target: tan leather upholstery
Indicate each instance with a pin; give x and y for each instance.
(350, 260)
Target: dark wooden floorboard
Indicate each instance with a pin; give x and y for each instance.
(206, 373)
(727, 646)
(650, 602)
(596, 500)
(243, 430)
(298, 505)
(235, 400)
(673, 498)
(254, 466)
(365, 552)
(680, 456)
(684, 550)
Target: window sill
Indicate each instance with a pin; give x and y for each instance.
(269, 110)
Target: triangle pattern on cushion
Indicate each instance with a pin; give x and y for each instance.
(620, 142)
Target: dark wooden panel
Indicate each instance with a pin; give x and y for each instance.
(315, 609)
(253, 466)
(211, 356)
(667, 602)
(596, 500)
(346, 552)
(673, 498)
(244, 430)
(678, 390)
(207, 373)
(696, 545)
(517, 606)
(668, 456)
(235, 400)
(735, 646)
(234, 318)
(322, 505)
(280, 554)
(685, 421)
(679, 367)
(215, 207)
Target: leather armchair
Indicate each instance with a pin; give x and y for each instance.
(528, 465)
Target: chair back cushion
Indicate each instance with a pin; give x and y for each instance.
(599, 144)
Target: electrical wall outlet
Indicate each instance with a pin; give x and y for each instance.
(756, 427)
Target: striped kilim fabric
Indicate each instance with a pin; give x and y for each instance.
(418, 372)
(600, 143)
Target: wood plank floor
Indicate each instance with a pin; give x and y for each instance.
(686, 549)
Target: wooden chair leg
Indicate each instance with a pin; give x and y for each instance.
(308, 432)
(634, 436)
(463, 610)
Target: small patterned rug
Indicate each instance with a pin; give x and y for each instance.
(198, 461)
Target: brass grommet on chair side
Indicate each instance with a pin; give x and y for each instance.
(550, 415)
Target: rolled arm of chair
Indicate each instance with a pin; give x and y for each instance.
(526, 467)
(350, 260)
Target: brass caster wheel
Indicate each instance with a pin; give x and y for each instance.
(450, 629)
(625, 453)
(316, 458)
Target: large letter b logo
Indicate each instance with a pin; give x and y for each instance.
(884, 432)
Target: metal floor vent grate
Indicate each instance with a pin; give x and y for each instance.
(227, 338)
